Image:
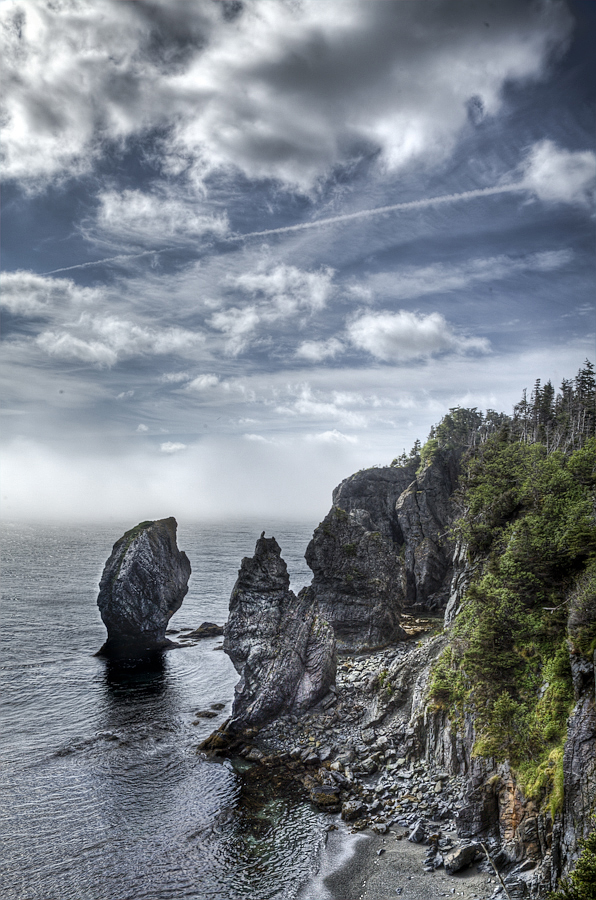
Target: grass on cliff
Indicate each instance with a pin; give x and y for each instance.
(529, 522)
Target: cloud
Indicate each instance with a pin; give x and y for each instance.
(331, 437)
(105, 340)
(203, 382)
(410, 282)
(404, 336)
(27, 294)
(172, 447)
(316, 351)
(288, 288)
(175, 377)
(556, 175)
(277, 295)
(311, 404)
(237, 324)
(132, 215)
(284, 90)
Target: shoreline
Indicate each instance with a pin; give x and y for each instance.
(387, 866)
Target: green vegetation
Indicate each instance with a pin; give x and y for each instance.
(582, 882)
(527, 496)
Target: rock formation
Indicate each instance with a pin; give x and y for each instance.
(384, 548)
(358, 580)
(279, 644)
(143, 584)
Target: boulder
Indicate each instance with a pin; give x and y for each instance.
(143, 584)
(280, 644)
(461, 858)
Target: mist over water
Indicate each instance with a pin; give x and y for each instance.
(104, 796)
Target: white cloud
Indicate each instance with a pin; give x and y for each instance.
(556, 175)
(237, 324)
(174, 377)
(316, 351)
(331, 437)
(404, 336)
(257, 438)
(306, 403)
(105, 340)
(172, 447)
(286, 90)
(410, 282)
(142, 429)
(203, 382)
(288, 288)
(152, 219)
(27, 294)
(279, 294)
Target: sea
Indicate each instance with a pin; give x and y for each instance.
(103, 792)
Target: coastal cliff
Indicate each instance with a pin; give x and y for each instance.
(489, 720)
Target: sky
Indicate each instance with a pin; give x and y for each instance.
(249, 248)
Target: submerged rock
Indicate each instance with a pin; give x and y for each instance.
(206, 630)
(143, 584)
(280, 645)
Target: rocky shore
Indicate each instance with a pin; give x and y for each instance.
(351, 757)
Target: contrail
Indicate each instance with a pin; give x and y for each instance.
(368, 213)
(317, 223)
(98, 262)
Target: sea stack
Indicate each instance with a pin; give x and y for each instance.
(143, 584)
(279, 644)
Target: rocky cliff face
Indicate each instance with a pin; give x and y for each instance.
(358, 580)
(532, 847)
(143, 584)
(384, 548)
(424, 512)
(280, 645)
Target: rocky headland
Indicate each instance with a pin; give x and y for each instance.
(143, 583)
(460, 585)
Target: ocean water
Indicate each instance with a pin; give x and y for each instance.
(103, 793)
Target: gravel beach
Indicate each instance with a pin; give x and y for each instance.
(383, 867)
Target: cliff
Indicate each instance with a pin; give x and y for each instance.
(494, 523)
(383, 549)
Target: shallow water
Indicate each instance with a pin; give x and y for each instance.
(103, 794)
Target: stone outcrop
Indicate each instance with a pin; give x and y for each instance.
(143, 584)
(358, 580)
(383, 549)
(280, 645)
(424, 512)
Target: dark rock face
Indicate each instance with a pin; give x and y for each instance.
(376, 492)
(383, 549)
(424, 512)
(280, 645)
(358, 580)
(143, 584)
